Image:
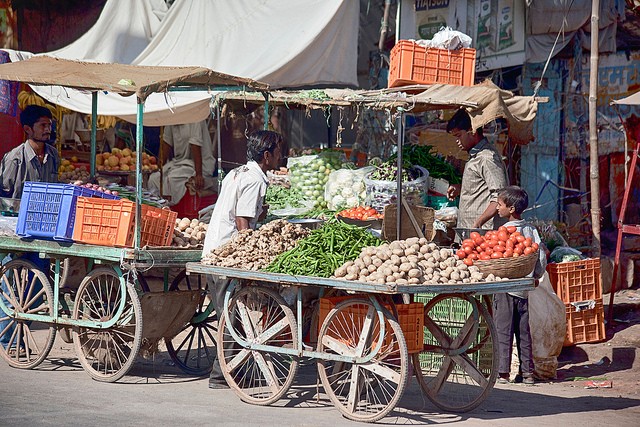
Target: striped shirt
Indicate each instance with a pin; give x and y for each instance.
(21, 164)
(484, 175)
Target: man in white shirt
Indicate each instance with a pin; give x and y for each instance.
(239, 206)
(190, 149)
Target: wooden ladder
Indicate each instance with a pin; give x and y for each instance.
(622, 230)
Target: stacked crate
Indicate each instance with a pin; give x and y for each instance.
(578, 285)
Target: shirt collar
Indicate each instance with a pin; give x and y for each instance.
(29, 151)
(252, 164)
(479, 147)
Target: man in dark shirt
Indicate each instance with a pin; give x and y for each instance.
(34, 160)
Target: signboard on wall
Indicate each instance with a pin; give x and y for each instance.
(431, 15)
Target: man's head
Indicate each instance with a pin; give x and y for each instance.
(512, 200)
(263, 147)
(36, 122)
(460, 126)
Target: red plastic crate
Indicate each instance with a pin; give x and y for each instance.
(410, 318)
(412, 64)
(576, 281)
(190, 205)
(104, 222)
(585, 326)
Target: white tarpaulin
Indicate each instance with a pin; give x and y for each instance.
(629, 100)
(123, 30)
(287, 43)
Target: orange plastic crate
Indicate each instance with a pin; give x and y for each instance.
(576, 281)
(585, 326)
(112, 223)
(412, 64)
(410, 318)
(157, 226)
(104, 222)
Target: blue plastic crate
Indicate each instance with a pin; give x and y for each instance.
(48, 210)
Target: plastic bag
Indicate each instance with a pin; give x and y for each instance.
(345, 188)
(448, 215)
(382, 193)
(547, 322)
(447, 38)
(309, 174)
(566, 254)
(8, 225)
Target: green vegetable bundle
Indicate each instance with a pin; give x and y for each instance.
(388, 171)
(324, 250)
(279, 197)
(422, 155)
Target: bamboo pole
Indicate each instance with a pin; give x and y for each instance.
(593, 130)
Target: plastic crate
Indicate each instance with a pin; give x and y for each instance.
(576, 281)
(411, 64)
(104, 222)
(48, 210)
(157, 226)
(410, 318)
(586, 325)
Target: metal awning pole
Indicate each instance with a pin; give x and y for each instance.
(219, 138)
(593, 130)
(139, 136)
(266, 110)
(94, 133)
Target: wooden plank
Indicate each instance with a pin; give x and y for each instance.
(484, 288)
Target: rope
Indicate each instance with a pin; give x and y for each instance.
(544, 70)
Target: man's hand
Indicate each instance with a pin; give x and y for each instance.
(453, 191)
(199, 182)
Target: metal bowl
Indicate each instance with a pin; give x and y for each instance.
(310, 223)
(9, 205)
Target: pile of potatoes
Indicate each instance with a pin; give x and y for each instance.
(256, 249)
(189, 232)
(410, 262)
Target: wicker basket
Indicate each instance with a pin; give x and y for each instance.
(509, 268)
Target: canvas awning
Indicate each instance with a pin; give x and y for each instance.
(121, 79)
(629, 100)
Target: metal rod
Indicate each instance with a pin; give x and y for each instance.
(94, 124)
(266, 110)
(400, 130)
(593, 130)
(218, 137)
(139, 142)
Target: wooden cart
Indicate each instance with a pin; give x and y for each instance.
(361, 352)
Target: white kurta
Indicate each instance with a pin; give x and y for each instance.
(242, 195)
(177, 171)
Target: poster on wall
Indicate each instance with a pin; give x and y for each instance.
(431, 15)
(497, 29)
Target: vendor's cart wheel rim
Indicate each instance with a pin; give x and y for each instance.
(27, 290)
(368, 391)
(65, 264)
(458, 367)
(107, 354)
(193, 349)
(261, 315)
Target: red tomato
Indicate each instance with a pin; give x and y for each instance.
(461, 254)
(503, 236)
(511, 229)
(534, 246)
(478, 241)
(520, 239)
(502, 228)
(468, 242)
(496, 255)
(484, 246)
(468, 261)
(527, 242)
(474, 235)
(467, 249)
(528, 250)
(474, 256)
(485, 257)
(508, 253)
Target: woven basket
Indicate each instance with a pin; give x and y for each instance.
(509, 268)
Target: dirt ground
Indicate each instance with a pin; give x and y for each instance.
(615, 359)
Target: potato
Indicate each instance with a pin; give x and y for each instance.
(372, 268)
(414, 272)
(405, 267)
(341, 271)
(402, 281)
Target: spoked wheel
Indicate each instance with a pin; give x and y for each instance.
(260, 316)
(458, 366)
(65, 264)
(107, 353)
(193, 349)
(25, 289)
(363, 391)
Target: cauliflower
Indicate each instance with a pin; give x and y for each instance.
(337, 202)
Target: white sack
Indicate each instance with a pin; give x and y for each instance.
(548, 324)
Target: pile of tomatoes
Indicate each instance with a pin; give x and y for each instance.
(360, 212)
(505, 242)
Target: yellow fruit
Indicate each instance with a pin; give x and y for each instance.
(113, 161)
(115, 151)
(65, 162)
(74, 159)
(99, 160)
(126, 152)
(124, 167)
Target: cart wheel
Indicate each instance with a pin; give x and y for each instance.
(193, 349)
(107, 353)
(258, 315)
(457, 368)
(64, 271)
(26, 289)
(362, 391)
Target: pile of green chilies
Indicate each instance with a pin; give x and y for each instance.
(324, 250)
